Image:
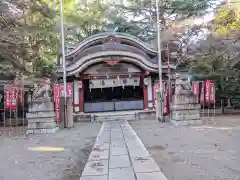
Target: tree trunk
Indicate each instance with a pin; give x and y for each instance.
(222, 106)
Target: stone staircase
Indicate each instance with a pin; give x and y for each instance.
(112, 116)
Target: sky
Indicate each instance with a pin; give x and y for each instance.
(210, 15)
(203, 20)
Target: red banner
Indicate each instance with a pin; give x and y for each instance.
(69, 90)
(6, 98)
(155, 87)
(207, 93)
(202, 97)
(13, 98)
(58, 92)
(166, 109)
(56, 100)
(196, 90)
(10, 97)
(212, 93)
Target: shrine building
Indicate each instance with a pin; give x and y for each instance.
(112, 72)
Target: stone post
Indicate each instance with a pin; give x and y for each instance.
(159, 105)
(66, 119)
(69, 113)
(61, 112)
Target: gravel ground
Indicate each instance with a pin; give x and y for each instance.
(209, 152)
(17, 162)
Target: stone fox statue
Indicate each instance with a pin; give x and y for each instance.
(183, 87)
(42, 92)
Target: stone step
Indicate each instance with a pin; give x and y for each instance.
(185, 107)
(118, 117)
(105, 117)
(42, 120)
(42, 125)
(82, 119)
(42, 131)
(41, 114)
(183, 99)
(108, 116)
(182, 117)
(188, 122)
(186, 112)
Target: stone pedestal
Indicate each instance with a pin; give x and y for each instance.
(185, 110)
(41, 117)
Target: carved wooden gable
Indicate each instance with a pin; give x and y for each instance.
(116, 68)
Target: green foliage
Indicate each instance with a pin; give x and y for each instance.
(32, 34)
(226, 21)
(170, 12)
(26, 36)
(218, 57)
(213, 60)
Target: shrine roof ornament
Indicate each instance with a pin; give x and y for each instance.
(111, 38)
(104, 36)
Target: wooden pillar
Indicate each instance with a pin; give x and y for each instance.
(81, 96)
(76, 96)
(145, 93)
(155, 86)
(153, 94)
(150, 91)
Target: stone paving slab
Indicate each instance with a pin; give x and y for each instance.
(118, 143)
(96, 168)
(101, 146)
(119, 161)
(138, 152)
(121, 174)
(151, 176)
(134, 144)
(119, 154)
(116, 151)
(98, 154)
(144, 164)
(105, 177)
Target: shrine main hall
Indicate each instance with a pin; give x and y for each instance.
(113, 72)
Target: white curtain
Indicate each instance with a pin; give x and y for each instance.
(106, 83)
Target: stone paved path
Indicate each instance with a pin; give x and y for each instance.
(119, 154)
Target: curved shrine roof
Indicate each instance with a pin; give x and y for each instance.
(98, 47)
(100, 37)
